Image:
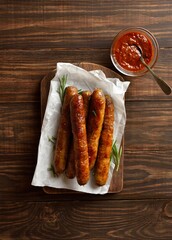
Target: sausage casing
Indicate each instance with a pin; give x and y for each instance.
(86, 98)
(70, 168)
(95, 122)
(64, 132)
(105, 144)
(77, 114)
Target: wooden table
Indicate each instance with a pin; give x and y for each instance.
(34, 36)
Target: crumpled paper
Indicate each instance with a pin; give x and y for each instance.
(84, 80)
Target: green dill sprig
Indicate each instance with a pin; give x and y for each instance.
(52, 170)
(116, 155)
(61, 90)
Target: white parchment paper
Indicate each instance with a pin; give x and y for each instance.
(84, 80)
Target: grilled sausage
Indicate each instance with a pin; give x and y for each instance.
(105, 144)
(95, 122)
(64, 132)
(70, 168)
(77, 114)
(86, 98)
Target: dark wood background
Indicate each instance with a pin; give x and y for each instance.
(34, 36)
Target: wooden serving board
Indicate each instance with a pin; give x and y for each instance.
(117, 179)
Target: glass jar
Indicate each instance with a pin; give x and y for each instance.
(125, 55)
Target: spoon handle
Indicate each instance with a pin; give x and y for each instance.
(163, 85)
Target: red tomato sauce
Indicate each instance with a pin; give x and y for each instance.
(127, 55)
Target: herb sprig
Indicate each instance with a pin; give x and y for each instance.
(94, 113)
(116, 155)
(80, 91)
(52, 170)
(61, 90)
(52, 139)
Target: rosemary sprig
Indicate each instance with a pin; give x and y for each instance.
(94, 113)
(51, 169)
(116, 155)
(80, 91)
(62, 87)
(52, 139)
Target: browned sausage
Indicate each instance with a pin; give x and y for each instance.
(70, 168)
(94, 124)
(64, 132)
(86, 98)
(77, 114)
(105, 144)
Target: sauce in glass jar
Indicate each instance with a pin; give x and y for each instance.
(125, 55)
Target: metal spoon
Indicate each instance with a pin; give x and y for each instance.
(163, 85)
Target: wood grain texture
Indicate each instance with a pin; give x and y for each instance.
(19, 127)
(55, 24)
(146, 127)
(87, 220)
(34, 36)
(16, 175)
(21, 75)
(147, 175)
(149, 125)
